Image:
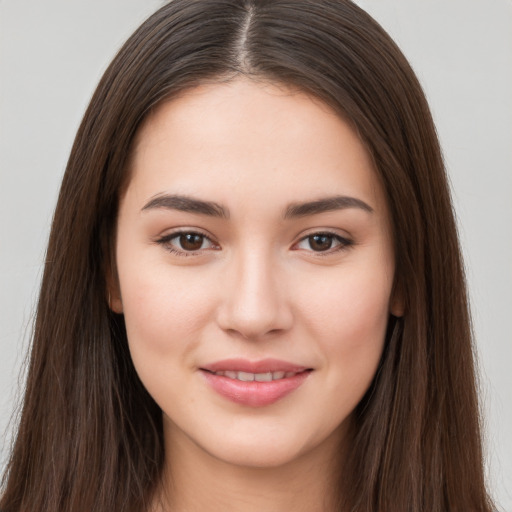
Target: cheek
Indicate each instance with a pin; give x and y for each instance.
(348, 318)
(164, 310)
(354, 298)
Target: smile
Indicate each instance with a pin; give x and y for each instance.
(254, 384)
(258, 377)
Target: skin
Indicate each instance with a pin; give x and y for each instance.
(256, 287)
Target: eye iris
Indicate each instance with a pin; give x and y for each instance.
(191, 241)
(320, 242)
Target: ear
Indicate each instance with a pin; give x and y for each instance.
(397, 302)
(113, 290)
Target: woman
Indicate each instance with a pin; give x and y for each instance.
(253, 295)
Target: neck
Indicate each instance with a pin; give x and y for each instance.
(195, 481)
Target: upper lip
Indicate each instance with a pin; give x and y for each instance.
(261, 366)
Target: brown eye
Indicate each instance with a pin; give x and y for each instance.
(187, 243)
(191, 241)
(321, 242)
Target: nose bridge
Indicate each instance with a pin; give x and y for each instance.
(254, 302)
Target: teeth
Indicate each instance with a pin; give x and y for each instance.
(245, 377)
(258, 377)
(263, 377)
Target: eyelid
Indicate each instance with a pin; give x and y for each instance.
(345, 242)
(336, 232)
(165, 240)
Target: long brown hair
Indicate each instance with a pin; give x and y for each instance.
(90, 436)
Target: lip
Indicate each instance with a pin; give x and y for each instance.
(261, 366)
(254, 394)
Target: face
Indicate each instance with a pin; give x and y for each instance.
(255, 270)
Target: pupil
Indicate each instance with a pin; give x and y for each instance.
(191, 241)
(320, 242)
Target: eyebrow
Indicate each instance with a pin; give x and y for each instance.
(188, 204)
(326, 204)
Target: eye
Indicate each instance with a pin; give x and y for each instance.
(323, 242)
(186, 243)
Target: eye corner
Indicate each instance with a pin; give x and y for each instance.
(174, 241)
(323, 243)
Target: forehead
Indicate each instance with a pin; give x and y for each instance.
(245, 137)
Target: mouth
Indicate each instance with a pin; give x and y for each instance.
(258, 377)
(254, 384)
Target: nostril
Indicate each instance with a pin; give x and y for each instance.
(253, 306)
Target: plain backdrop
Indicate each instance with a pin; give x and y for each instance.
(53, 52)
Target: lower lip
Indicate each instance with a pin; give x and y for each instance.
(254, 394)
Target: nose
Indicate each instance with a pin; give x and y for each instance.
(254, 303)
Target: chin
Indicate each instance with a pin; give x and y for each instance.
(274, 448)
(257, 455)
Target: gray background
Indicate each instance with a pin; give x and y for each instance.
(52, 54)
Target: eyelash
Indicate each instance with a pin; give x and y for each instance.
(166, 242)
(343, 243)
